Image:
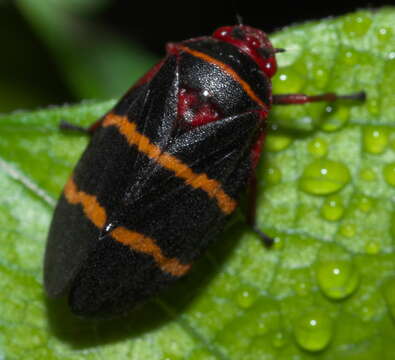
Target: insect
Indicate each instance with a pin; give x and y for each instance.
(163, 172)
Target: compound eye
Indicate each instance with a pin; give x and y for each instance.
(270, 67)
(222, 32)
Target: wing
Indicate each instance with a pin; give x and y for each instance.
(103, 175)
(187, 201)
(157, 236)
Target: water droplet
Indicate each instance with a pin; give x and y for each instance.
(278, 340)
(277, 142)
(318, 147)
(357, 25)
(324, 177)
(348, 230)
(349, 57)
(320, 76)
(272, 175)
(332, 208)
(301, 288)
(372, 247)
(335, 118)
(389, 174)
(288, 80)
(375, 139)
(367, 174)
(278, 243)
(246, 296)
(365, 204)
(313, 331)
(389, 295)
(384, 34)
(337, 278)
(373, 106)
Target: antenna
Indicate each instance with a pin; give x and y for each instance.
(239, 19)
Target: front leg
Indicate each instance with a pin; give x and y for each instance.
(66, 126)
(251, 211)
(299, 99)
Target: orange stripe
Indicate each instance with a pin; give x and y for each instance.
(134, 240)
(146, 245)
(247, 88)
(198, 181)
(90, 205)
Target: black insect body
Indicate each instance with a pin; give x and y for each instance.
(163, 172)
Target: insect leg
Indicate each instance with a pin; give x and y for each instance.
(291, 99)
(251, 212)
(66, 126)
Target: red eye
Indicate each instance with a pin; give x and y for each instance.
(270, 67)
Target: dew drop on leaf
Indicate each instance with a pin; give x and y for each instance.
(277, 142)
(372, 247)
(278, 243)
(318, 147)
(335, 272)
(288, 80)
(332, 208)
(357, 25)
(337, 279)
(367, 174)
(347, 230)
(313, 330)
(324, 177)
(272, 175)
(278, 339)
(301, 288)
(373, 106)
(349, 57)
(365, 204)
(335, 118)
(375, 139)
(389, 174)
(246, 296)
(321, 76)
(384, 34)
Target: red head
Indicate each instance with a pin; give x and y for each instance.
(253, 42)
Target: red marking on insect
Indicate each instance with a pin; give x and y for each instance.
(252, 42)
(195, 109)
(256, 150)
(149, 75)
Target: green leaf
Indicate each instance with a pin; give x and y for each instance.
(326, 290)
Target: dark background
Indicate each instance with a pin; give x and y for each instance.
(30, 74)
(155, 23)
